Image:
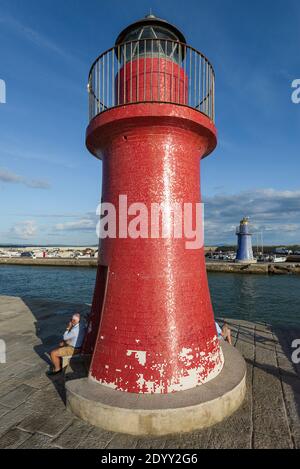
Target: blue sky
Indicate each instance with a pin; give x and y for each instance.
(49, 183)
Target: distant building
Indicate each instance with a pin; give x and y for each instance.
(282, 250)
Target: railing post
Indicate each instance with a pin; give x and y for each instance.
(113, 77)
(138, 72)
(119, 67)
(131, 72)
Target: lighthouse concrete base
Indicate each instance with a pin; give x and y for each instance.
(161, 414)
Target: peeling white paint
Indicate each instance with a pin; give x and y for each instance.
(186, 378)
(160, 367)
(194, 376)
(185, 354)
(149, 387)
(140, 382)
(140, 355)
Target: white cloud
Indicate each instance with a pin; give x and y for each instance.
(276, 213)
(24, 230)
(12, 178)
(85, 224)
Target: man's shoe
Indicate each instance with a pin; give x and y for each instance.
(53, 372)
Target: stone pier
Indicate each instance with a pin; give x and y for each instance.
(261, 268)
(32, 406)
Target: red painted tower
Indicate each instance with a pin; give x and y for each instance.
(151, 328)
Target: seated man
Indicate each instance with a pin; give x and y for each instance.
(224, 333)
(71, 344)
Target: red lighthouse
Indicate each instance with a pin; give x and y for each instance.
(151, 329)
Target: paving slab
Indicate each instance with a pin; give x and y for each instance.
(194, 440)
(73, 435)
(13, 371)
(269, 414)
(150, 443)
(96, 439)
(3, 410)
(13, 438)
(9, 384)
(56, 423)
(13, 418)
(290, 383)
(33, 422)
(17, 396)
(122, 442)
(37, 442)
(222, 435)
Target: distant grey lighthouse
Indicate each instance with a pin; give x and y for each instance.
(244, 248)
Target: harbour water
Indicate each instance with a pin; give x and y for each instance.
(274, 299)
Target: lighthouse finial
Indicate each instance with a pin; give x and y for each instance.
(150, 14)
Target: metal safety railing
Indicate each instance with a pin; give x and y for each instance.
(152, 70)
(243, 231)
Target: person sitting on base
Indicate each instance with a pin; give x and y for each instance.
(224, 333)
(71, 344)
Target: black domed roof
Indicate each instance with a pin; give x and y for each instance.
(150, 20)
